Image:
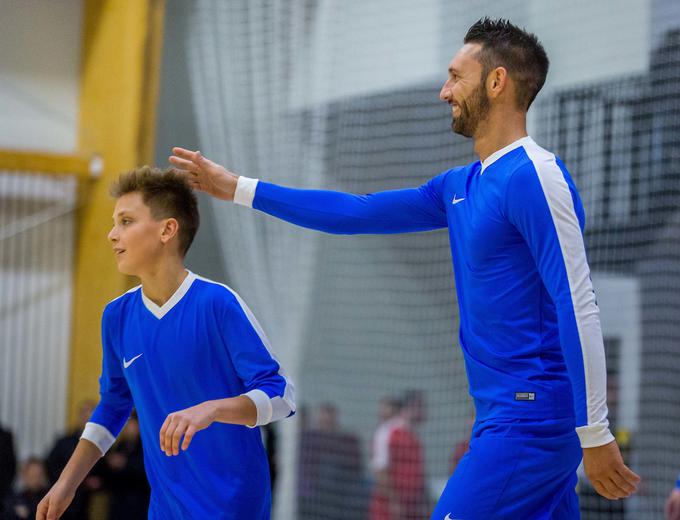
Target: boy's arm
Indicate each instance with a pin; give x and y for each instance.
(186, 423)
(268, 392)
(57, 500)
(100, 432)
(393, 211)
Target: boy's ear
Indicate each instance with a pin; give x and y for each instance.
(170, 230)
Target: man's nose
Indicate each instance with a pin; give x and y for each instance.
(445, 92)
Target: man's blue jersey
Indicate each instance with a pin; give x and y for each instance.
(202, 344)
(529, 322)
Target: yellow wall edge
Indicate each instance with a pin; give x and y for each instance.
(44, 162)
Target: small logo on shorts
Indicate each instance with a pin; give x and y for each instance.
(449, 517)
(525, 396)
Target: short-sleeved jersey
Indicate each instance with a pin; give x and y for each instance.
(529, 323)
(202, 344)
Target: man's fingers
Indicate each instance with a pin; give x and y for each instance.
(183, 152)
(603, 490)
(188, 435)
(183, 164)
(629, 475)
(625, 488)
(630, 478)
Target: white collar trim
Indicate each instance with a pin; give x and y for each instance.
(500, 153)
(160, 311)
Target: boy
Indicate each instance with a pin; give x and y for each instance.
(189, 355)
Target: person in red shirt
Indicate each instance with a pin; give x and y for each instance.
(399, 492)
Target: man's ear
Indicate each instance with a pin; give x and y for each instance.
(497, 81)
(170, 230)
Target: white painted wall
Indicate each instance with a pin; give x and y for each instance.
(39, 73)
(590, 41)
(621, 316)
(40, 54)
(37, 231)
(357, 48)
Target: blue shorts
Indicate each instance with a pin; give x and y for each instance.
(515, 470)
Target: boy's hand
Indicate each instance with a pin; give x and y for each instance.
(205, 175)
(610, 477)
(53, 505)
(185, 423)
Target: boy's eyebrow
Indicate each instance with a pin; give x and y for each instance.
(121, 212)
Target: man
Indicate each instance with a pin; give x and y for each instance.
(189, 355)
(529, 323)
(398, 464)
(673, 502)
(332, 460)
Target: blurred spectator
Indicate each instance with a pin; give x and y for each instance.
(463, 445)
(59, 456)
(399, 492)
(331, 465)
(270, 440)
(388, 416)
(124, 475)
(304, 481)
(673, 503)
(8, 464)
(32, 487)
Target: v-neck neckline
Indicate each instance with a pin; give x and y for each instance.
(506, 149)
(162, 310)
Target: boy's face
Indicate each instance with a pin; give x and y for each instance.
(136, 237)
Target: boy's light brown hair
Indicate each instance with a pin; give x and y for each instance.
(168, 195)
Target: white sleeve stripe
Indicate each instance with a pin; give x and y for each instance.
(245, 191)
(99, 436)
(586, 313)
(282, 406)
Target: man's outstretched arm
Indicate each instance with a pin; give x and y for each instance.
(394, 211)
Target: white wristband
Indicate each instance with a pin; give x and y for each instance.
(245, 191)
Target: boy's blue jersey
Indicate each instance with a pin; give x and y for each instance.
(203, 344)
(529, 322)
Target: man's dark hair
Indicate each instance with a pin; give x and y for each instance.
(520, 52)
(168, 195)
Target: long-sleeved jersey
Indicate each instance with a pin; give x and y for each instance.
(203, 343)
(529, 323)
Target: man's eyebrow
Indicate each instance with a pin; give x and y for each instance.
(453, 71)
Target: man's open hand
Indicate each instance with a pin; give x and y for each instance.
(205, 175)
(610, 477)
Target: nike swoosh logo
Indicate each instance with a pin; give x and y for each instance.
(449, 517)
(454, 202)
(128, 363)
